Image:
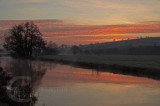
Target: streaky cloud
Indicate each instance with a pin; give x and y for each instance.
(62, 31)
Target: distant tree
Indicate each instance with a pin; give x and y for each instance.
(51, 48)
(88, 52)
(63, 46)
(23, 39)
(0, 41)
(76, 50)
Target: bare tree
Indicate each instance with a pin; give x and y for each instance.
(23, 39)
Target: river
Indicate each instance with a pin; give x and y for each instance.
(63, 85)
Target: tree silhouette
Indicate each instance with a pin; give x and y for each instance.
(51, 48)
(23, 39)
(76, 50)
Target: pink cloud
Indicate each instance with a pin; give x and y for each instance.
(61, 31)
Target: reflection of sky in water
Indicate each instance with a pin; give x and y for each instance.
(100, 94)
(62, 74)
(69, 86)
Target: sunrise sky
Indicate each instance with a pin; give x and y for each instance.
(84, 21)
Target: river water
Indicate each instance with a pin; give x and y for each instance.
(64, 85)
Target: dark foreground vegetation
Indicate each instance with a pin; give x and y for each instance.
(18, 91)
(129, 65)
(18, 82)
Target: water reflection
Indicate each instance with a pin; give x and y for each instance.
(20, 80)
(64, 85)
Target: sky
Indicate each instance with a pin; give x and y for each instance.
(84, 21)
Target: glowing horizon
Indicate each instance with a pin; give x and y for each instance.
(84, 21)
(61, 32)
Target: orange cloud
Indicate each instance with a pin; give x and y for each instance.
(109, 30)
(61, 31)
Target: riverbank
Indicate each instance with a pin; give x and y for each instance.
(136, 65)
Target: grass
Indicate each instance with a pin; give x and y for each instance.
(126, 60)
(137, 65)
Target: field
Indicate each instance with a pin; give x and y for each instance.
(135, 65)
(145, 61)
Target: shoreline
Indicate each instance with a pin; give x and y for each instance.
(102, 67)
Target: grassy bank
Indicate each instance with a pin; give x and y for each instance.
(145, 66)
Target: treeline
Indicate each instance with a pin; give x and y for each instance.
(53, 49)
(49, 49)
(142, 46)
(131, 50)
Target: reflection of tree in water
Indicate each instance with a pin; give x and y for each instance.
(22, 92)
(33, 69)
